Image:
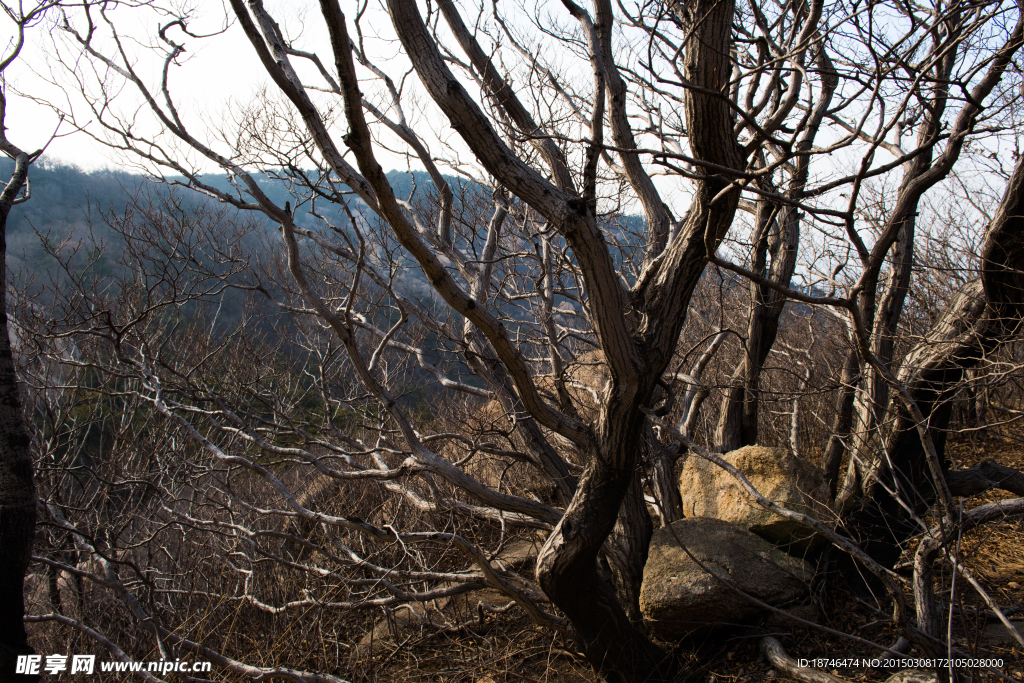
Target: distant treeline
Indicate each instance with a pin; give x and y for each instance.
(66, 202)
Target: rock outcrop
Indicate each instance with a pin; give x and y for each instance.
(709, 491)
(680, 598)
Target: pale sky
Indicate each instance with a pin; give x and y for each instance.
(219, 76)
(217, 71)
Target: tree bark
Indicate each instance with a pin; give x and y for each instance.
(626, 549)
(984, 313)
(737, 426)
(17, 488)
(842, 422)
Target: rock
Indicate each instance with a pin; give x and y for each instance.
(418, 619)
(382, 637)
(521, 554)
(709, 491)
(678, 598)
(499, 472)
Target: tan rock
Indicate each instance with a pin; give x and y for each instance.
(709, 491)
(681, 598)
(389, 630)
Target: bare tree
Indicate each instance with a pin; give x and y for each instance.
(17, 490)
(561, 335)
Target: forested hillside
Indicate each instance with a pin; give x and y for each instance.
(69, 209)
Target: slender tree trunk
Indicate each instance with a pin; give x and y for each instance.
(738, 421)
(983, 314)
(874, 396)
(738, 424)
(842, 422)
(17, 489)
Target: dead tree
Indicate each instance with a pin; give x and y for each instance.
(17, 488)
(520, 277)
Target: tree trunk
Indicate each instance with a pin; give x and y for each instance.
(738, 421)
(984, 313)
(626, 549)
(931, 373)
(842, 423)
(17, 489)
(602, 627)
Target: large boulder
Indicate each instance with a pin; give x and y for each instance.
(709, 491)
(680, 598)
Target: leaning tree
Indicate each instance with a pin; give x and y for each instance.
(620, 211)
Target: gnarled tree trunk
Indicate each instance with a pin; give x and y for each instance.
(982, 314)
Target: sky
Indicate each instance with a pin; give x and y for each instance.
(216, 72)
(219, 76)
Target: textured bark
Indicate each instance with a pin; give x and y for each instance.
(931, 372)
(984, 313)
(570, 574)
(929, 619)
(663, 475)
(17, 489)
(774, 652)
(842, 423)
(626, 549)
(566, 567)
